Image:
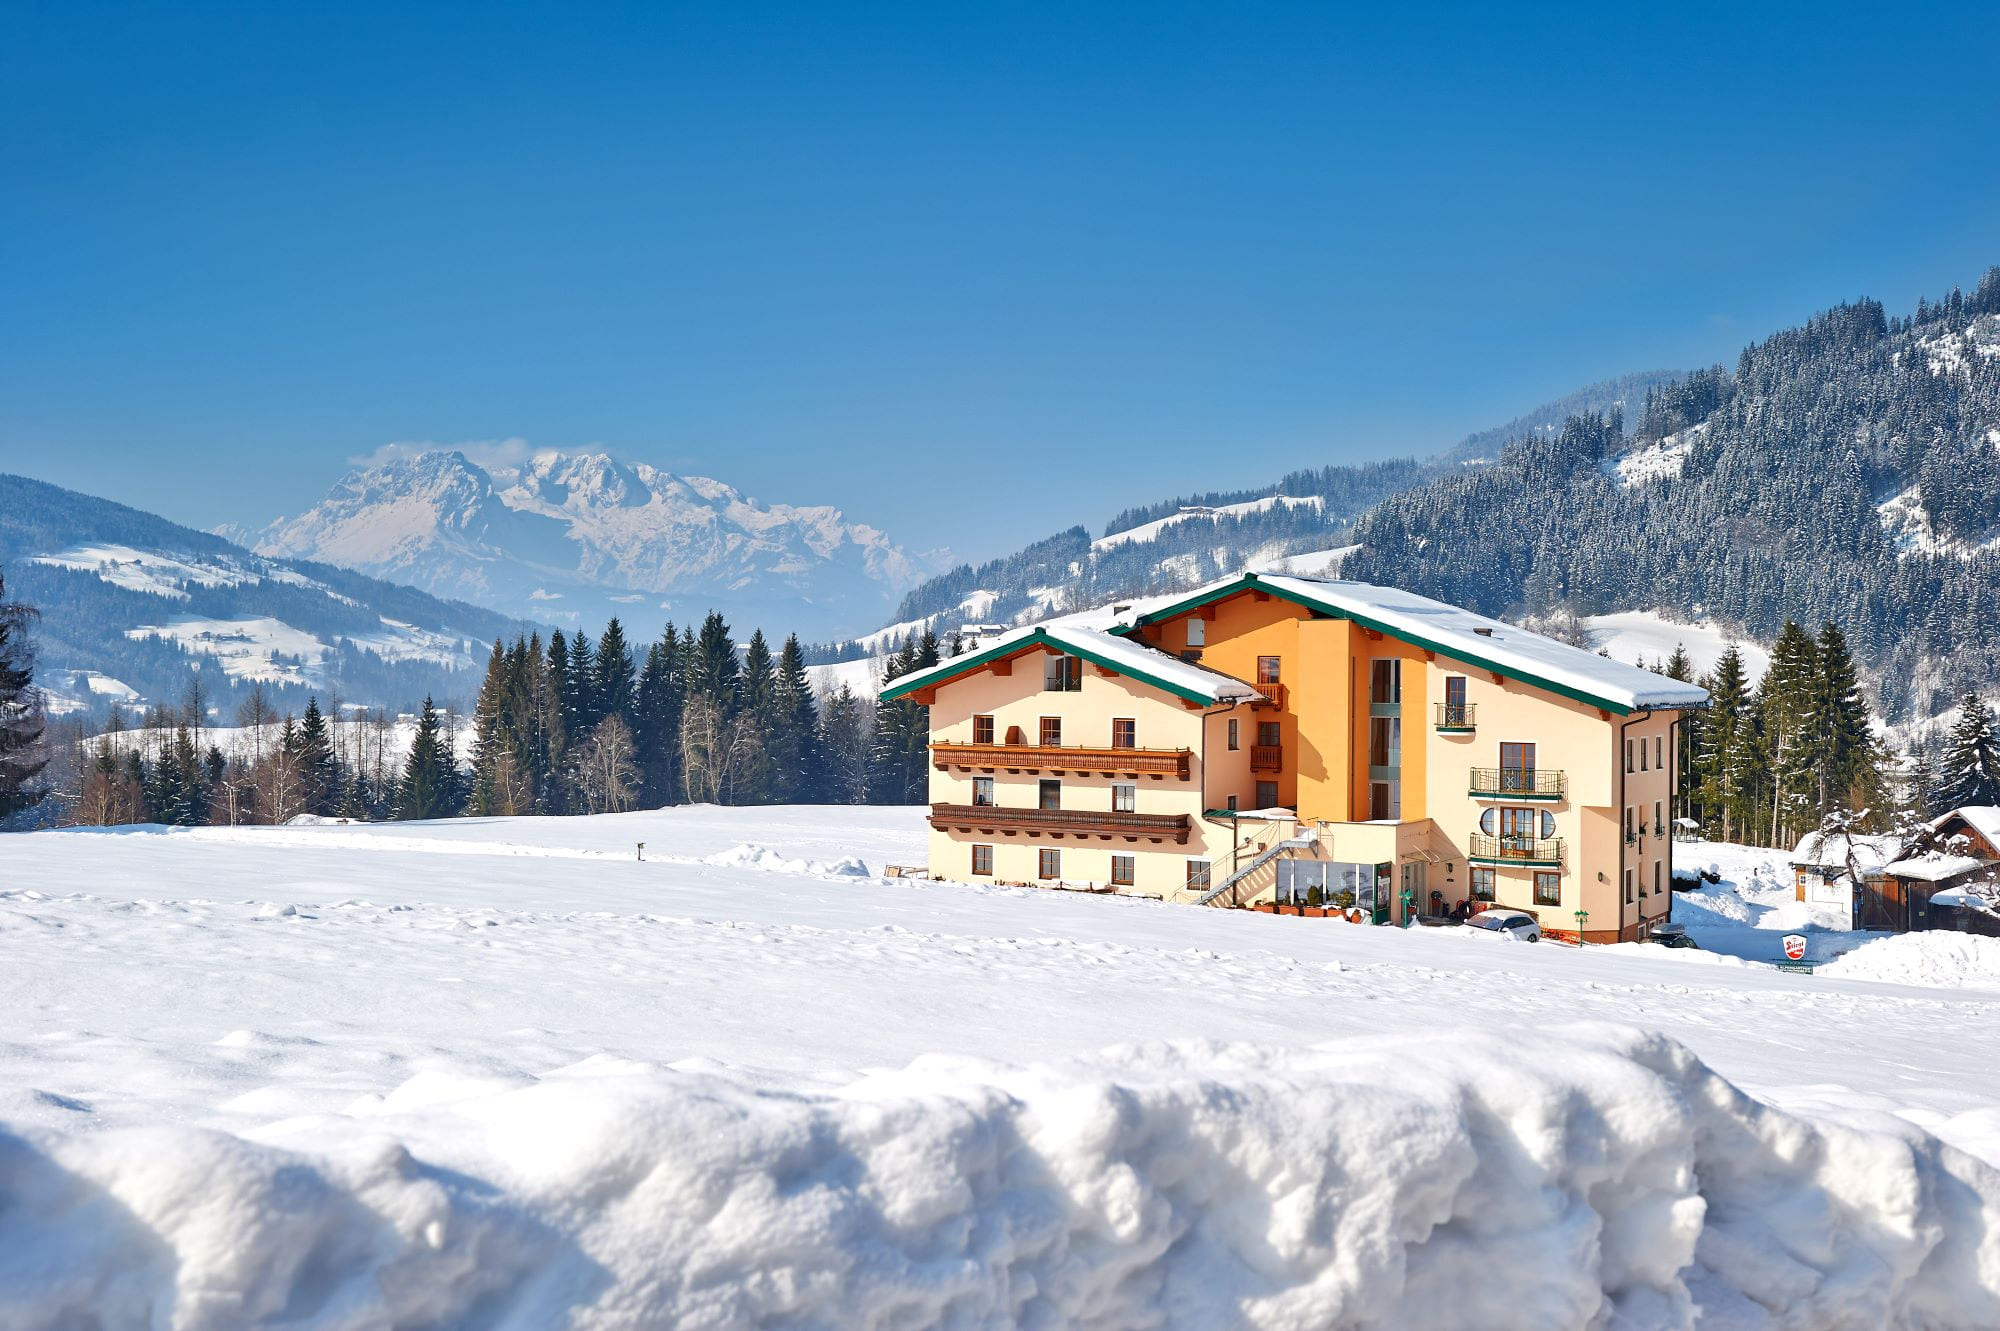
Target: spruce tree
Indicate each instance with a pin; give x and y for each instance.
(1785, 706)
(613, 682)
(431, 781)
(492, 742)
(1727, 747)
(844, 731)
(319, 771)
(656, 721)
(713, 671)
(1848, 760)
(1970, 767)
(22, 752)
(795, 742)
(581, 711)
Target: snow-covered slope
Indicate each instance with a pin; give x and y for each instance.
(130, 603)
(505, 1073)
(574, 539)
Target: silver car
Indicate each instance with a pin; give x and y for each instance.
(1515, 924)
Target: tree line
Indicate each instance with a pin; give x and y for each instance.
(571, 725)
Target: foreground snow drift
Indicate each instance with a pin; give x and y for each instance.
(1599, 1178)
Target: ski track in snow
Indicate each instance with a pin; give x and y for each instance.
(375, 1075)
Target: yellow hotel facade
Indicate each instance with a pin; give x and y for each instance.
(1272, 738)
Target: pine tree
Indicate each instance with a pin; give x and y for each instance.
(612, 683)
(492, 742)
(581, 711)
(713, 671)
(1970, 768)
(795, 738)
(319, 772)
(1785, 711)
(752, 766)
(656, 721)
(552, 706)
(23, 754)
(1728, 750)
(844, 731)
(431, 782)
(1848, 760)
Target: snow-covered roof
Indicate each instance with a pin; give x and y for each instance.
(1840, 849)
(1981, 818)
(1452, 631)
(1183, 679)
(1934, 868)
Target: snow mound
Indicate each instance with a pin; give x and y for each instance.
(1603, 1178)
(1935, 958)
(750, 855)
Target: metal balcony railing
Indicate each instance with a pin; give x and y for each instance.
(1454, 715)
(1526, 783)
(1515, 850)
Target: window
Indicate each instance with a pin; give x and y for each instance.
(1234, 739)
(1482, 884)
(1197, 629)
(1267, 794)
(1270, 733)
(1124, 733)
(1385, 800)
(1520, 828)
(1385, 681)
(982, 730)
(1628, 822)
(1628, 756)
(1050, 865)
(1385, 741)
(1660, 751)
(1267, 670)
(982, 860)
(1051, 731)
(1062, 674)
(1517, 768)
(1642, 755)
(1656, 877)
(1454, 700)
(1659, 819)
(1121, 865)
(1051, 795)
(1197, 875)
(1124, 797)
(1629, 873)
(1548, 889)
(982, 791)
(1230, 804)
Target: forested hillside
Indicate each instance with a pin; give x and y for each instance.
(1173, 543)
(1846, 470)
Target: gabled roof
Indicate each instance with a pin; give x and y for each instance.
(1837, 850)
(1490, 643)
(1186, 681)
(1981, 818)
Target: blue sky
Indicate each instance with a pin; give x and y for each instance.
(970, 272)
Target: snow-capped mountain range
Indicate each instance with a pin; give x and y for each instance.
(573, 538)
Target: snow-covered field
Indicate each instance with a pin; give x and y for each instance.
(504, 1073)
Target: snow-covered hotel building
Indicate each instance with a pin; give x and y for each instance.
(1274, 738)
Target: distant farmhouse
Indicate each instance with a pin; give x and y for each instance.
(1945, 875)
(1317, 744)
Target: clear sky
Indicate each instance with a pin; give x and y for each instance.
(971, 272)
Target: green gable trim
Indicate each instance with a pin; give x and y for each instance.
(1251, 582)
(966, 664)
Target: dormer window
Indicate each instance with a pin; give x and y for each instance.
(1062, 674)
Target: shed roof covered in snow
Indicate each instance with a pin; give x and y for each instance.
(1983, 819)
(1934, 868)
(1451, 631)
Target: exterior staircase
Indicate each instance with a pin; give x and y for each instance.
(1215, 894)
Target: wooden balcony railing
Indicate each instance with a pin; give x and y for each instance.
(1274, 695)
(1057, 823)
(1454, 717)
(1267, 757)
(1062, 758)
(1516, 783)
(1515, 850)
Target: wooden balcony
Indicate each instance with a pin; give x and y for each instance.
(1515, 850)
(1083, 824)
(1454, 718)
(1538, 784)
(1267, 757)
(1274, 695)
(1061, 759)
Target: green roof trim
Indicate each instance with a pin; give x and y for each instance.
(1251, 582)
(965, 664)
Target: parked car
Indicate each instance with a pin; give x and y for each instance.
(1672, 935)
(1515, 924)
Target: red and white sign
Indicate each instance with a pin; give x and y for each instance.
(1795, 947)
